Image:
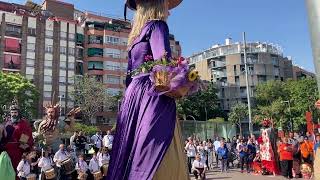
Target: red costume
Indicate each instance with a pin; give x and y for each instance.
(12, 144)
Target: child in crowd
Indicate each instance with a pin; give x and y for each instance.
(81, 167)
(23, 168)
(256, 165)
(45, 163)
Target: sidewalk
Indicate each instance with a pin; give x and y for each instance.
(235, 174)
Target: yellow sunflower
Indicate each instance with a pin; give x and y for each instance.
(193, 75)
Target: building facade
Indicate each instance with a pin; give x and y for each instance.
(52, 43)
(224, 65)
(300, 73)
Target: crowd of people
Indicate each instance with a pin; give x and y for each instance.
(76, 161)
(293, 155)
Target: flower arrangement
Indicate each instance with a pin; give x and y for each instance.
(171, 77)
(266, 122)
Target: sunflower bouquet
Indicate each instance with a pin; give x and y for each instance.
(171, 77)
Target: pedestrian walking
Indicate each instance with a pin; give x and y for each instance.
(223, 156)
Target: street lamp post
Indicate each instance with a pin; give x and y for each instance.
(290, 118)
(205, 108)
(60, 99)
(247, 82)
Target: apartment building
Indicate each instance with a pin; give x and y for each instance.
(300, 72)
(224, 65)
(52, 42)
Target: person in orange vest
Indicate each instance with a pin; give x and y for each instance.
(306, 149)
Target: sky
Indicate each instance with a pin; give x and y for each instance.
(199, 24)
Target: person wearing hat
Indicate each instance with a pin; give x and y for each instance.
(146, 123)
(18, 135)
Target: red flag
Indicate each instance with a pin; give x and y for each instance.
(309, 122)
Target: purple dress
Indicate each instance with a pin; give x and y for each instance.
(145, 125)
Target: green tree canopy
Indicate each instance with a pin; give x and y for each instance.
(273, 99)
(238, 113)
(91, 96)
(197, 104)
(16, 86)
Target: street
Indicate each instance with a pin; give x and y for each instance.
(235, 174)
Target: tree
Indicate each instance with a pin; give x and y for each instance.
(202, 105)
(91, 96)
(16, 86)
(237, 113)
(273, 99)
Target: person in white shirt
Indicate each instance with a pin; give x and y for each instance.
(72, 140)
(23, 167)
(199, 167)
(45, 163)
(191, 152)
(60, 156)
(216, 145)
(94, 163)
(103, 156)
(108, 140)
(97, 141)
(81, 166)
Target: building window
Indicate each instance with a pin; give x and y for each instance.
(49, 34)
(63, 50)
(70, 65)
(63, 35)
(48, 63)
(95, 52)
(79, 68)
(12, 61)
(71, 51)
(79, 53)
(95, 39)
(113, 91)
(113, 53)
(112, 40)
(114, 66)
(31, 47)
(12, 30)
(49, 49)
(47, 79)
(12, 45)
(79, 39)
(30, 62)
(113, 79)
(94, 65)
(71, 37)
(31, 31)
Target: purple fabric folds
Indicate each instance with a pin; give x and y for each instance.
(145, 124)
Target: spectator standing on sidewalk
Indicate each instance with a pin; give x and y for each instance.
(223, 156)
(243, 154)
(216, 145)
(72, 140)
(285, 151)
(191, 153)
(108, 140)
(97, 141)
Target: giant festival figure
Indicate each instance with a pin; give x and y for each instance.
(268, 147)
(50, 128)
(146, 125)
(16, 136)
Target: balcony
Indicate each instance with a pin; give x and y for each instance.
(13, 31)
(79, 68)
(95, 68)
(79, 39)
(95, 52)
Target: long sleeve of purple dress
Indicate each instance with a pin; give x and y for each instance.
(145, 124)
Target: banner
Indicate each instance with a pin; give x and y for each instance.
(309, 122)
